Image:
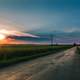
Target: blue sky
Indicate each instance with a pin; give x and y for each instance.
(42, 15)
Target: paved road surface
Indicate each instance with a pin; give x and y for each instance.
(61, 66)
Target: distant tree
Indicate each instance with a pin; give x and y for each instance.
(74, 44)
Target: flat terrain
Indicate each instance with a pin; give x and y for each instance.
(62, 66)
(12, 54)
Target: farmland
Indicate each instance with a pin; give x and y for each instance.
(10, 54)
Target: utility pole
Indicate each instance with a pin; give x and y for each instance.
(51, 39)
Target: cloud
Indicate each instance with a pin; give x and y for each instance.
(16, 33)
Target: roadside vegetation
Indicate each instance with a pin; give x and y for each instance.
(78, 50)
(11, 54)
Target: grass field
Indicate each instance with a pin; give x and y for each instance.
(10, 54)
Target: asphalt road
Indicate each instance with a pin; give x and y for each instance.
(61, 66)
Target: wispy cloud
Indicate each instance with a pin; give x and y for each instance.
(16, 33)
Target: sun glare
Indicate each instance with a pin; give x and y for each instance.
(2, 37)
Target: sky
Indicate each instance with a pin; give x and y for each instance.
(40, 15)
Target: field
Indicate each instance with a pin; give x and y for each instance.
(11, 54)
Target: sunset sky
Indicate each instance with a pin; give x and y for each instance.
(47, 15)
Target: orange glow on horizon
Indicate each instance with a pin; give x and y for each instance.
(6, 39)
(3, 37)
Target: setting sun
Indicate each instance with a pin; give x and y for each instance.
(8, 36)
(2, 37)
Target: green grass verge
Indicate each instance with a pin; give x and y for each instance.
(12, 54)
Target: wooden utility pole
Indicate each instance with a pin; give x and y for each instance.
(51, 39)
